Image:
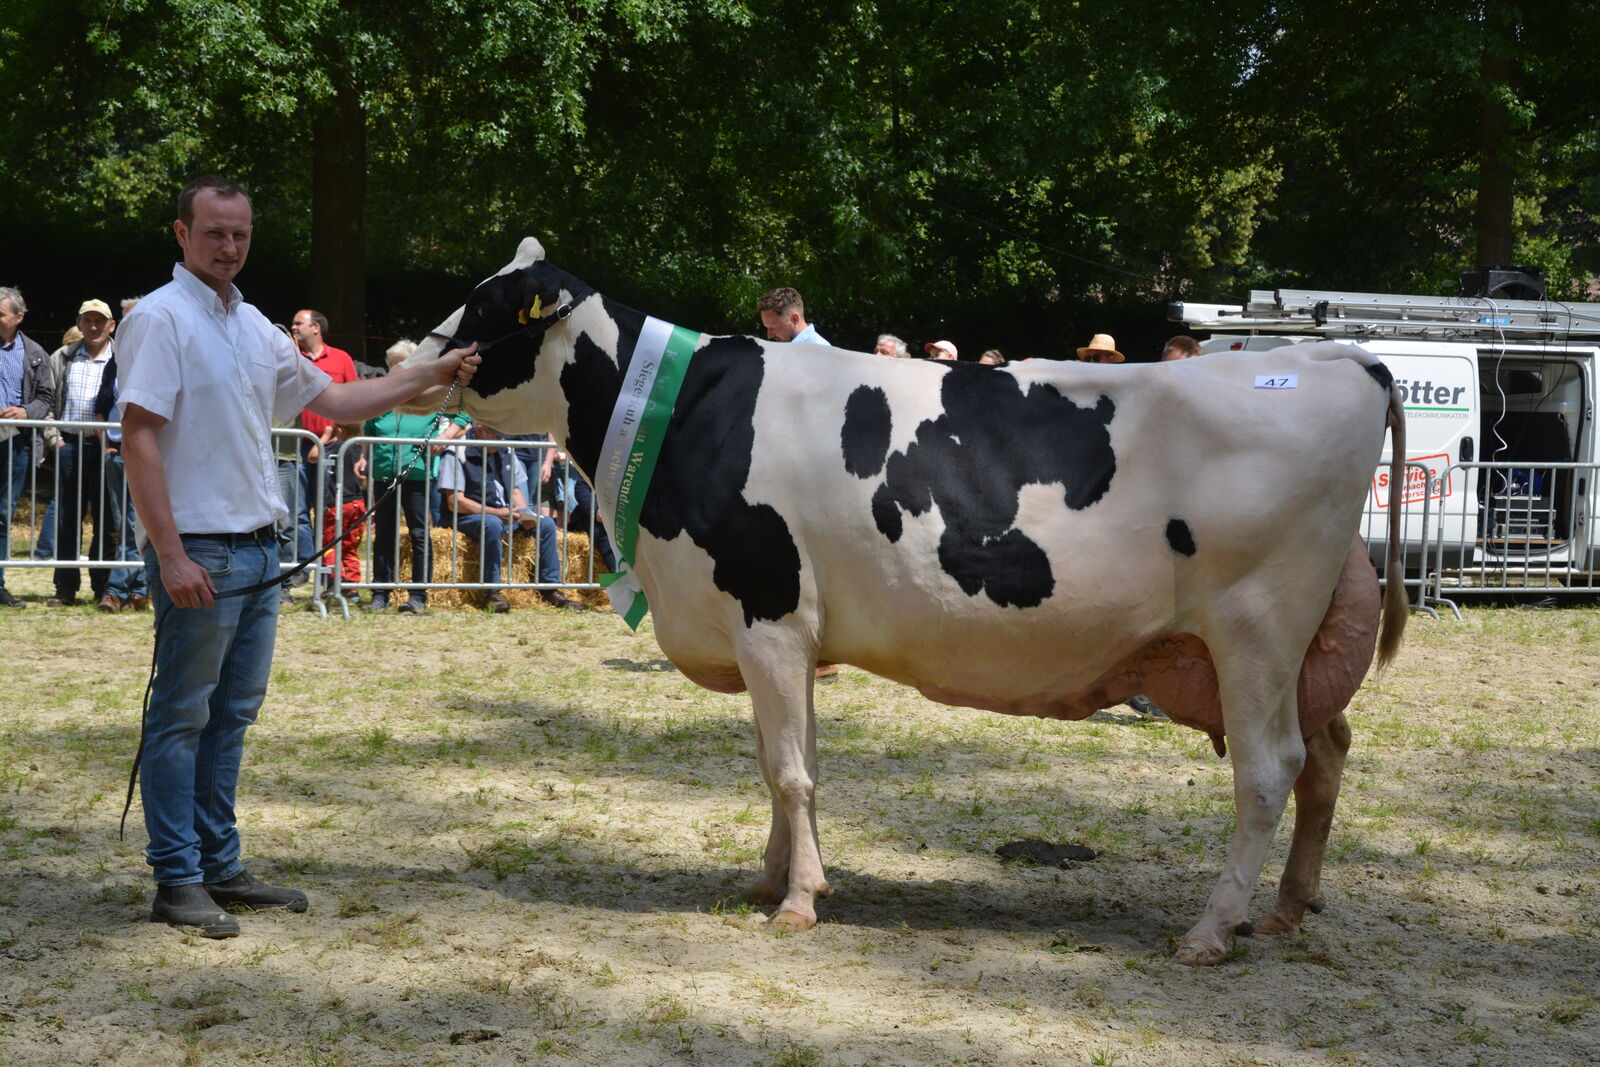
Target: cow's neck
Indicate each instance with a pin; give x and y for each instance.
(599, 339)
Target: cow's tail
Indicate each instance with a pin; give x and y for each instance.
(1396, 606)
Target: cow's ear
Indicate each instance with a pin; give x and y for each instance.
(529, 252)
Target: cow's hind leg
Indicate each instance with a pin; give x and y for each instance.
(1258, 707)
(786, 736)
(1316, 792)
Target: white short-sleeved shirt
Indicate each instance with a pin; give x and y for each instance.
(220, 374)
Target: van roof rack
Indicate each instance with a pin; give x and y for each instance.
(1319, 311)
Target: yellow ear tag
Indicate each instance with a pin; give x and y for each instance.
(538, 307)
(522, 316)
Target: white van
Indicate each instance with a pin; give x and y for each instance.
(1507, 383)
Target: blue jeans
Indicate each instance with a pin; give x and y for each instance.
(304, 539)
(125, 583)
(212, 667)
(78, 495)
(44, 545)
(490, 531)
(16, 459)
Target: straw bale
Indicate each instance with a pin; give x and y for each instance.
(455, 559)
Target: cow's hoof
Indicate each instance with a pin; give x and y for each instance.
(791, 921)
(1276, 926)
(763, 894)
(1196, 953)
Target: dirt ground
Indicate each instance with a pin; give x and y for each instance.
(523, 837)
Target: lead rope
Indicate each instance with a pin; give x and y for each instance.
(161, 617)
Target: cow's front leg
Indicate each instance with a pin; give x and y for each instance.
(786, 737)
(1264, 740)
(773, 885)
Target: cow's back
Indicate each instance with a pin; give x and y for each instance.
(1017, 531)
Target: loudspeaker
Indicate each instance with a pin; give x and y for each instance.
(1504, 283)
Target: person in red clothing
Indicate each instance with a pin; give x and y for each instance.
(309, 330)
(344, 500)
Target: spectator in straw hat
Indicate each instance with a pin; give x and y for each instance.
(1102, 348)
(942, 350)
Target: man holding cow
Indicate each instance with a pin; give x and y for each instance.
(204, 375)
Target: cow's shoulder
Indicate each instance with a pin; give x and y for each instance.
(700, 477)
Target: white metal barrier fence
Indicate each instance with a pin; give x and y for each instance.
(494, 534)
(1469, 528)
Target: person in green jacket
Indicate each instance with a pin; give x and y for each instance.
(414, 496)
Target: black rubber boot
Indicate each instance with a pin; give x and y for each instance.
(244, 891)
(191, 907)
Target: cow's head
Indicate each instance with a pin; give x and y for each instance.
(513, 318)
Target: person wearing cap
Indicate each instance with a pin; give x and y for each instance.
(1102, 348)
(783, 314)
(78, 375)
(941, 350)
(27, 391)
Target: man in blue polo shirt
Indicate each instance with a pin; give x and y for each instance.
(783, 314)
(486, 491)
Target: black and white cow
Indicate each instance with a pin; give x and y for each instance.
(1041, 539)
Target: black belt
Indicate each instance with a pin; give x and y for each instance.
(264, 533)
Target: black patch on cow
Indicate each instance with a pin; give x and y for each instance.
(1383, 376)
(1180, 537)
(865, 436)
(590, 383)
(699, 482)
(972, 462)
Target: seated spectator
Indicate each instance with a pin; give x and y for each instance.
(891, 346)
(412, 497)
(1180, 347)
(941, 350)
(1102, 348)
(344, 514)
(486, 491)
(571, 496)
(992, 358)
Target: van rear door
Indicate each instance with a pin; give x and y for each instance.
(1438, 381)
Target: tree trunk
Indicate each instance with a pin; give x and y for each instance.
(338, 219)
(1496, 167)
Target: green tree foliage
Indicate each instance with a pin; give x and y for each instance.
(1384, 114)
(1010, 172)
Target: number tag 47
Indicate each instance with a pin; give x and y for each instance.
(1277, 381)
